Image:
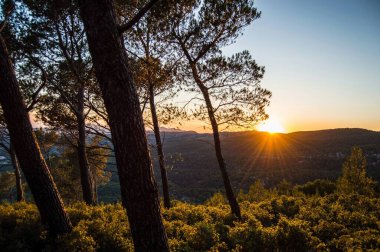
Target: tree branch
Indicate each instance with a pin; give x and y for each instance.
(66, 54)
(137, 17)
(9, 8)
(44, 82)
(64, 97)
(94, 131)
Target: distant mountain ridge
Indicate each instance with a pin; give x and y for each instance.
(298, 157)
(250, 155)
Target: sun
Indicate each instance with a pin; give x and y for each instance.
(271, 126)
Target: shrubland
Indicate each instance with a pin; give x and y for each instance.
(271, 221)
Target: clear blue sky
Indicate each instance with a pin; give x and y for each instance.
(322, 61)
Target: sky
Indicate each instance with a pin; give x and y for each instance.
(322, 61)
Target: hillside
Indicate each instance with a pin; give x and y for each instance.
(298, 157)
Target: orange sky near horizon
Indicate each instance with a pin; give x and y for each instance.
(275, 124)
(286, 126)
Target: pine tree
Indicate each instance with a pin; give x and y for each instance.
(138, 187)
(36, 172)
(354, 178)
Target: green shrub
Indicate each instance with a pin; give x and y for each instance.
(20, 227)
(294, 235)
(216, 200)
(335, 222)
(368, 240)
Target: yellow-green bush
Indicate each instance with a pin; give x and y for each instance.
(279, 223)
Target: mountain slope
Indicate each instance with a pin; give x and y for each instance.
(298, 157)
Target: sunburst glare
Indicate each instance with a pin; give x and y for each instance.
(272, 125)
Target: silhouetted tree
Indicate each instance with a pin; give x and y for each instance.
(138, 187)
(229, 87)
(62, 155)
(152, 78)
(63, 58)
(23, 139)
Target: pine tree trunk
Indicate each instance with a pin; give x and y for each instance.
(32, 163)
(138, 187)
(235, 208)
(16, 167)
(86, 176)
(160, 152)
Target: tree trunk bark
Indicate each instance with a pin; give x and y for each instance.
(160, 152)
(86, 176)
(16, 167)
(235, 208)
(138, 187)
(32, 163)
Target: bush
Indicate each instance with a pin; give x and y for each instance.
(295, 235)
(335, 222)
